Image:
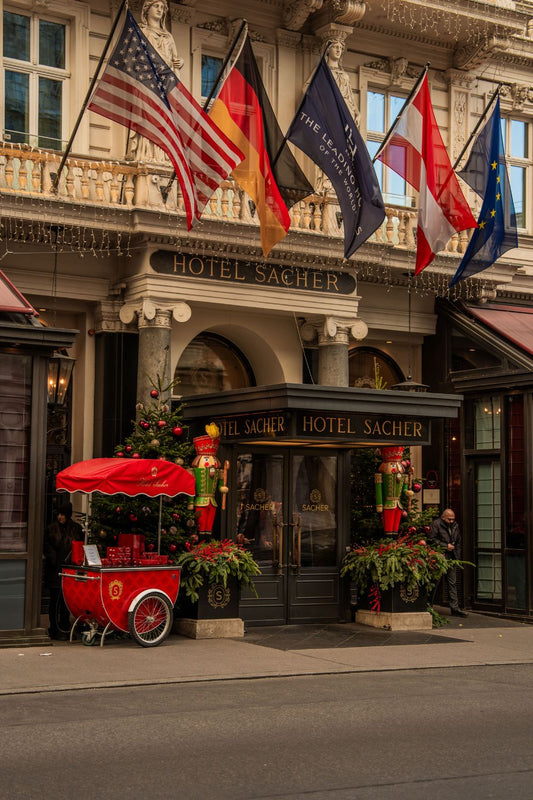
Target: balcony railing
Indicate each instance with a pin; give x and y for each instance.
(25, 172)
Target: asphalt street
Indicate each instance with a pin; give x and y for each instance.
(461, 732)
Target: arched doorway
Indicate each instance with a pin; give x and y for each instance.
(211, 363)
(370, 368)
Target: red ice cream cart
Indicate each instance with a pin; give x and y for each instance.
(129, 590)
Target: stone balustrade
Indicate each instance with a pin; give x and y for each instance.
(28, 172)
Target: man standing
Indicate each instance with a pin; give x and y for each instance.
(445, 532)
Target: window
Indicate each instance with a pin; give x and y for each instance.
(382, 110)
(487, 427)
(372, 369)
(516, 137)
(211, 363)
(211, 66)
(35, 71)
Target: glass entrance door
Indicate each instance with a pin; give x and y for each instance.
(286, 514)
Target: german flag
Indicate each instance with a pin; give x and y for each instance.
(269, 173)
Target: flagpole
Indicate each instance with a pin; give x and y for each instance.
(399, 114)
(70, 142)
(166, 189)
(477, 127)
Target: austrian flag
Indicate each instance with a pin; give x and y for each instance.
(415, 151)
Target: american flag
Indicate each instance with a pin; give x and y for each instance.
(140, 91)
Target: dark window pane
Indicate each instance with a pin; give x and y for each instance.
(210, 69)
(16, 36)
(50, 95)
(371, 369)
(15, 379)
(17, 107)
(51, 44)
(12, 587)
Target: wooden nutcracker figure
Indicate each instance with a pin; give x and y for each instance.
(208, 477)
(391, 479)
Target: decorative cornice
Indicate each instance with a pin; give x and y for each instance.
(456, 78)
(290, 39)
(295, 13)
(471, 56)
(516, 95)
(348, 11)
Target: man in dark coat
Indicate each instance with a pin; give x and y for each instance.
(445, 532)
(57, 550)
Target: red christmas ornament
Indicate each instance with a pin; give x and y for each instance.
(133, 518)
(417, 487)
(411, 529)
(128, 448)
(177, 431)
(144, 424)
(150, 547)
(172, 548)
(118, 509)
(427, 529)
(136, 455)
(154, 393)
(161, 423)
(175, 515)
(120, 455)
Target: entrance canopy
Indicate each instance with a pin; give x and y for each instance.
(513, 323)
(315, 415)
(132, 477)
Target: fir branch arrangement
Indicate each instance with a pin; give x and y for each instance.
(388, 562)
(216, 562)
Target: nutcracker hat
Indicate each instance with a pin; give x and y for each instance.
(391, 453)
(205, 445)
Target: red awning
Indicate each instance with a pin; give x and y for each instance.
(130, 476)
(11, 300)
(513, 323)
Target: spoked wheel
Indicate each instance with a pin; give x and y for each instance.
(150, 619)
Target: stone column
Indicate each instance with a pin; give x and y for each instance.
(333, 336)
(154, 348)
(333, 354)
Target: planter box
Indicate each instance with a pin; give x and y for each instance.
(216, 601)
(397, 600)
(400, 610)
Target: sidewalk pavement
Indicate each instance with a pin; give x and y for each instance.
(264, 653)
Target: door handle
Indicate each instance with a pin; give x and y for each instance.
(296, 525)
(277, 544)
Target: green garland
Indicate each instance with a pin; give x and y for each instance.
(216, 562)
(388, 562)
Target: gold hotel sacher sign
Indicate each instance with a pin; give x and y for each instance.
(324, 425)
(273, 276)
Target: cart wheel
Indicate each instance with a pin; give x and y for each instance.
(88, 638)
(150, 620)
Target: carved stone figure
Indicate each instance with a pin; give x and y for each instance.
(153, 26)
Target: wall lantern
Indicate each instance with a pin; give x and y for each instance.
(59, 371)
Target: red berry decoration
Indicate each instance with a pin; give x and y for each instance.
(154, 393)
(427, 529)
(172, 548)
(118, 509)
(161, 423)
(175, 515)
(411, 529)
(177, 431)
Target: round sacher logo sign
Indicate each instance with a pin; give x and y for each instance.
(115, 589)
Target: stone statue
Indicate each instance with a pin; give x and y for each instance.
(342, 79)
(333, 57)
(152, 25)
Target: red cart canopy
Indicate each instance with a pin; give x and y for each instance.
(132, 476)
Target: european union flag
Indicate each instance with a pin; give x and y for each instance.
(486, 173)
(325, 130)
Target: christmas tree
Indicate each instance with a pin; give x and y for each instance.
(158, 433)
